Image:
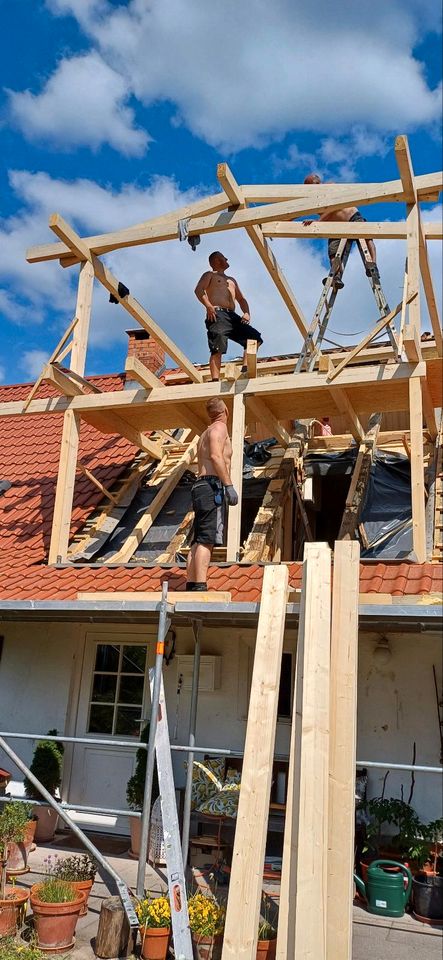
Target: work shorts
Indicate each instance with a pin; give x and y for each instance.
(229, 326)
(333, 245)
(208, 504)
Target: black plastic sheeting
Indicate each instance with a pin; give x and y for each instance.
(387, 511)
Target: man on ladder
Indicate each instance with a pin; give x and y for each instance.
(346, 215)
(339, 250)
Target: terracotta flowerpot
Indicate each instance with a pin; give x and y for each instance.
(47, 822)
(266, 949)
(155, 942)
(207, 948)
(55, 923)
(84, 886)
(18, 852)
(11, 909)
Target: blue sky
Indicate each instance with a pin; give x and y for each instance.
(115, 112)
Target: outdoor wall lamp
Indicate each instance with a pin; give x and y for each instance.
(382, 652)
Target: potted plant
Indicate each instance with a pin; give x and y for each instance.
(13, 822)
(56, 906)
(47, 767)
(135, 791)
(427, 885)
(79, 871)
(12, 948)
(267, 941)
(401, 845)
(18, 853)
(206, 922)
(154, 914)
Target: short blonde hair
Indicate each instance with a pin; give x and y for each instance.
(215, 406)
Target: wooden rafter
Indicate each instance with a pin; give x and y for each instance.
(137, 370)
(130, 304)
(233, 191)
(55, 355)
(367, 339)
(367, 230)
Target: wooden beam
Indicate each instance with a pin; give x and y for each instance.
(54, 356)
(302, 928)
(342, 749)
(367, 339)
(233, 191)
(429, 410)
(428, 187)
(64, 492)
(97, 483)
(344, 404)
(417, 249)
(412, 333)
(65, 232)
(150, 596)
(360, 230)
(245, 886)
(417, 470)
(251, 358)
(145, 522)
(234, 513)
(263, 414)
(137, 370)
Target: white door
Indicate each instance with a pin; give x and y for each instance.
(114, 705)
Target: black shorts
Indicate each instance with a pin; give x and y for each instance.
(333, 245)
(229, 326)
(208, 503)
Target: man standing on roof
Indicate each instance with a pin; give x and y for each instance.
(210, 492)
(345, 215)
(218, 294)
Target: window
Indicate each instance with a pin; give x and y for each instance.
(116, 703)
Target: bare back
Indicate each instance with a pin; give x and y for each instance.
(214, 452)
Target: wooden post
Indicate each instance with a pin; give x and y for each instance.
(303, 894)
(64, 493)
(234, 513)
(342, 748)
(245, 888)
(113, 930)
(412, 330)
(417, 470)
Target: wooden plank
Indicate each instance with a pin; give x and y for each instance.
(345, 406)
(145, 522)
(234, 513)
(245, 887)
(262, 414)
(150, 596)
(367, 339)
(64, 492)
(137, 370)
(65, 232)
(342, 749)
(417, 470)
(302, 928)
(251, 357)
(365, 230)
(428, 186)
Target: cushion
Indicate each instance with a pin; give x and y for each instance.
(207, 779)
(224, 802)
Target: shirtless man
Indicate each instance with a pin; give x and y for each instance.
(346, 215)
(218, 294)
(212, 488)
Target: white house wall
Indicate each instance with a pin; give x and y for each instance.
(38, 690)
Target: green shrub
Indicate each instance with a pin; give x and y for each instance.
(14, 818)
(136, 784)
(13, 948)
(76, 868)
(46, 766)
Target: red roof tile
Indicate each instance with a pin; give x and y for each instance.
(29, 454)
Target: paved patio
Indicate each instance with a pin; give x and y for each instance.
(375, 938)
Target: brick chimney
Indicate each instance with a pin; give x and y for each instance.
(147, 350)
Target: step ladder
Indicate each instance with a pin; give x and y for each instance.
(316, 332)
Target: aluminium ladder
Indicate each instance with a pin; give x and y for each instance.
(316, 332)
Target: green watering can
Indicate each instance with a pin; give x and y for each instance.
(385, 891)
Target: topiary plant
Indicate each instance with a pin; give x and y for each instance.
(46, 766)
(136, 784)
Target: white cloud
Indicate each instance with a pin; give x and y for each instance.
(242, 75)
(33, 361)
(335, 158)
(84, 103)
(163, 275)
